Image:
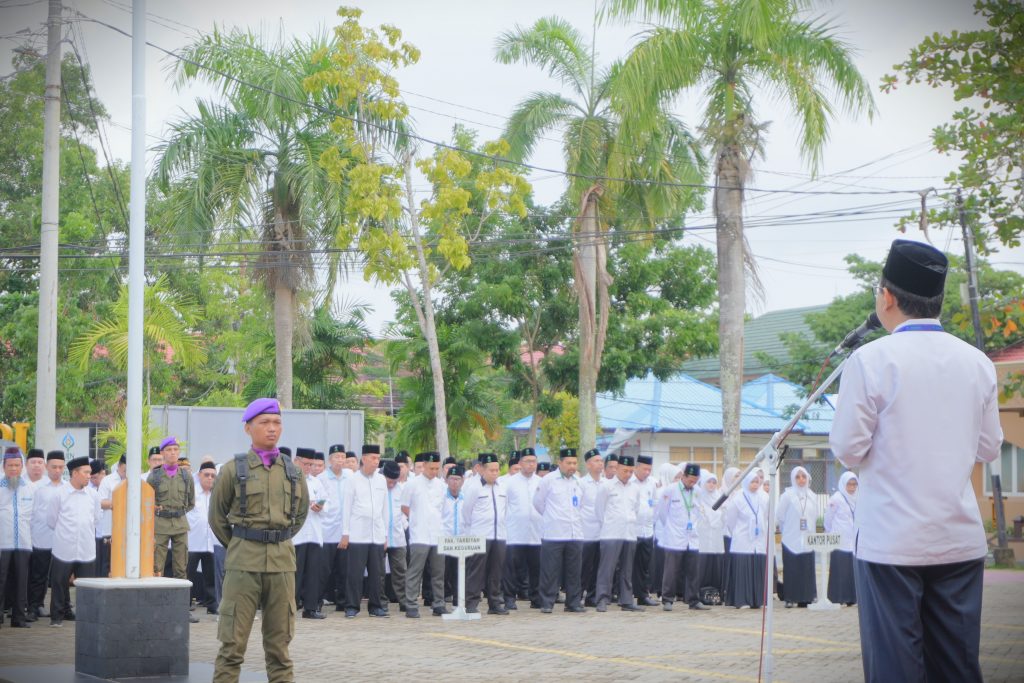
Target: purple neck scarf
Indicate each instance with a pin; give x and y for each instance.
(171, 471)
(268, 457)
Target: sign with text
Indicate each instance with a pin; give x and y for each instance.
(823, 542)
(461, 546)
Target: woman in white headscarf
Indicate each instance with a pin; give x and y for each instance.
(839, 518)
(667, 474)
(798, 516)
(711, 534)
(747, 520)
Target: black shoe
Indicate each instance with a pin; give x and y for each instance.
(351, 613)
(699, 606)
(20, 624)
(647, 601)
(601, 607)
(401, 607)
(412, 613)
(379, 612)
(440, 611)
(30, 616)
(312, 614)
(472, 610)
(212, 610)
(545, 610)
(56, 623)
(69, 615)
(575, 608)
(339, 608)
(589, 603)
(501, 611)
(511, 606)
(631, 608)
(536, 605)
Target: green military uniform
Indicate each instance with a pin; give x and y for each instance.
(173, 497)
(259, 572)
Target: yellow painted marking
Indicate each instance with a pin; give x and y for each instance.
(1005, 627)
(754, 653)
(627, 661)
(790, 636)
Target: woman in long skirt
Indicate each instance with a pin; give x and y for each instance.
(711, 561)
(839, 519)
(798, 516)
(747, 520)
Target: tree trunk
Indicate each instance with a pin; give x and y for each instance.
(731, 293)
(425, 315)
(586, 262)
(284, 327)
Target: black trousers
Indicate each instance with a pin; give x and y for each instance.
(38, 577)
(308, 583)
(616, 555)
(366, 557)
(483, 575)
(103, 557)
(643, 559)
(681, 566)
(561, 560)
(588, 573)
(451, 580)
(203, 589)
(14, 567)
(658, 568)
(335, 577)
(60, 585)
(521, 578)
(920, 623)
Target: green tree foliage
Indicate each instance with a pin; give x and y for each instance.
(983, 68)
(562, 427)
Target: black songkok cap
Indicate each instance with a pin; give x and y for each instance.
(123, 460)
(35, 453)
(527, 451)
(319, 455)
(543, 467)
(644, 460)
(592, 453)
(457, 471)
(692, 469)
(390, 469)
(155, 450)
(208, 466)
(513, 458)
(422, 457)
(305, 453)
(78, 462)
(284, 450)
(916, 268)
(486, 458)
(433, 456)
(450, 460)
(627, 461)
(54, 455)
(336, 448)
(371, 449)
(96, 466)
(567, 453)
(611, 458)
(350, 454)
(403, 456)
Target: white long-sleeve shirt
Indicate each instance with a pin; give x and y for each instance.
(72, 516)
(591, 522)
(45, 492)
(797, 516)
(648, 498)
(425, 500)
(312, 530)
(680, 514)
(366, 499)
(485, 510)
(200, 536)
(451, 514)
(16, 506)
(334, 485)
(617, 505)
(558, 501)
(524, 521)
(917, 409)
(105, 524)
(747, 521)
(839, 518)
(711, 530)
(396, 522)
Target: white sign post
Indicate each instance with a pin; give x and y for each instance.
(823, 545)
(461, 547)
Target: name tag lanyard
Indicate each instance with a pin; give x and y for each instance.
(757, 518)
(688, 503)
(920, 327)
(803, 512)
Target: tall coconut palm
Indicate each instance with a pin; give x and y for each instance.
(598, 148)
(736, 53)
(250, 163)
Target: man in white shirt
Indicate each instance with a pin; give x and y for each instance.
(72, 515)
(42, 535)
(423, 503)
(363, 534)
(201, 540)
(451, 522)
(104, 526)
(617, 505)
(561, 552)
(681, 516)
(16, 502)
(309, 540)
(335, 558)
(484, 514)
(521, 576)
(35, 466)
(917, 409)
(644, 556)
(591, 483)
(394, 583)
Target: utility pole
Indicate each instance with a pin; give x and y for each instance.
(972, 272)
(46, 345)
(136, 292)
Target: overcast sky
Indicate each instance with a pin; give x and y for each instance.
(457, 80)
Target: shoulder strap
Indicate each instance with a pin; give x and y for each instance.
(292, 473)
(242, 473)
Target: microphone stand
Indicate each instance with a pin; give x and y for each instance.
(771, 455)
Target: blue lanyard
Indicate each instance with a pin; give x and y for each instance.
(455, 512)
(920, 327)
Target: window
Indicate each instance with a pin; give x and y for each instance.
(1010, 470)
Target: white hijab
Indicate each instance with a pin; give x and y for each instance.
(708, 497)
(667, 474)
(800, 491)
(753, 503)
(843, 481)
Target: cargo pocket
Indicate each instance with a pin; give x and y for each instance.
(226, 622)
(291, 620)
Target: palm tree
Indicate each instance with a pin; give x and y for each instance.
(597, 148)
(252, 164)
(736, 52)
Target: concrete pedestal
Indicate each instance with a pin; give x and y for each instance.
(127, 628)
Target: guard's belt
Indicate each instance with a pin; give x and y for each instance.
(170, 513)
(262, 535)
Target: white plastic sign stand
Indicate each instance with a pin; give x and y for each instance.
(823, 545)
(461, 547)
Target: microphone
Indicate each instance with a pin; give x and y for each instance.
(854, 339)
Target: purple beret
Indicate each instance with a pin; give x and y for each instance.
(261, 406)
(169, 441)
(12, 452)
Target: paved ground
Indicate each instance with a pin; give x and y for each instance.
(720, 645)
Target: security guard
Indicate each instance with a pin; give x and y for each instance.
(259, 502)
(174, 495)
